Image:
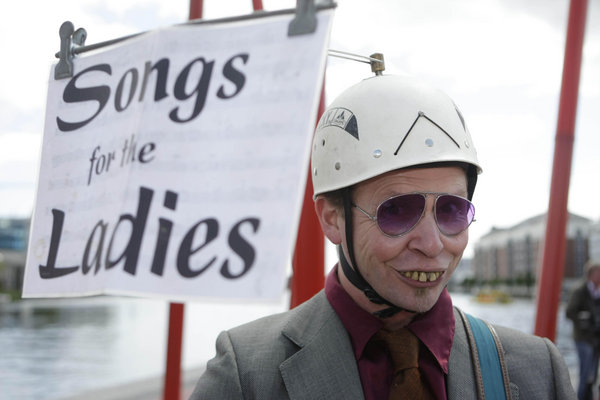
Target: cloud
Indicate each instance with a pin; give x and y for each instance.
(19, 155)
(19, 146)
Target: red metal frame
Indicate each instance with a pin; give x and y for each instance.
(552, 267)
(308, 263)
(308, 260)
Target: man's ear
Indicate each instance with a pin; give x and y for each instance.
(330, 218)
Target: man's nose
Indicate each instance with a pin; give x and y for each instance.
(426, 236)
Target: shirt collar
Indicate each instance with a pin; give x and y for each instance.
(435, 328)
(360, 324)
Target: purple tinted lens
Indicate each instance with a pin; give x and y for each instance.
(400, 214)
(453, 214)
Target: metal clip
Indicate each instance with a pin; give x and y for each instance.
(305, 20)
(69, 38)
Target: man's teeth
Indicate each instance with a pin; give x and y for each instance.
(422, 276)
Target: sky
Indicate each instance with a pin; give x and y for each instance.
(500, 60)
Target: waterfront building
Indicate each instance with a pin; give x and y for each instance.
(514, 253)
(14, 234)
(594, 242)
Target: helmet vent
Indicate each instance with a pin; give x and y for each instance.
(423, 115)
(338, 166)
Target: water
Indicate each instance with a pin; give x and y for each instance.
(50, 349)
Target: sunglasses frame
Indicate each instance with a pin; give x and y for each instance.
(424, 195)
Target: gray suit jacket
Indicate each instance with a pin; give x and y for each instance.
(305, 353)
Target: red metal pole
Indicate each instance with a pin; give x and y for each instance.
(196, 8)
(257, 5)
(174, 343)
(172, 386)
(552, 267)
(308, 263)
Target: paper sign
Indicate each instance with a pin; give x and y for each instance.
(174, 164)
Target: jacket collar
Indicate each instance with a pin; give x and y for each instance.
(324, 365)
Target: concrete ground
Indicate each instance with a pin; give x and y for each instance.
(147, 389)
(152, 389)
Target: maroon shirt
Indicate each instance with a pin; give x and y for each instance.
(435, 329)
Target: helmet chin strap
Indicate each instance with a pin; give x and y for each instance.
(354, 275)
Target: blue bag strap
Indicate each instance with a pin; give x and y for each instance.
(488, 359)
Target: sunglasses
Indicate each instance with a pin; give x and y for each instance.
(398, 215)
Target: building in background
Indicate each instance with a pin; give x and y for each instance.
(14, 234)
(594, 242)
(513, 254)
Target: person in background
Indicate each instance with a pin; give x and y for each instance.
(394, 171)
(583, 309)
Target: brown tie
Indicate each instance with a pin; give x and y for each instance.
(403, 346)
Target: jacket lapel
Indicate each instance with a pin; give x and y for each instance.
(324, 366)
(461, 384)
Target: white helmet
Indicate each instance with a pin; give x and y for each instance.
(386, 123)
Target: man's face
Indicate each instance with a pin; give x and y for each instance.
(390, 264)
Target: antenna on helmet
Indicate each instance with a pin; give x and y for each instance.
(375, 60)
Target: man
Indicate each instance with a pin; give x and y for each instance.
(583, 309)
(394, 169)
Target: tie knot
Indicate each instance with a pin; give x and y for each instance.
(403, 347)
